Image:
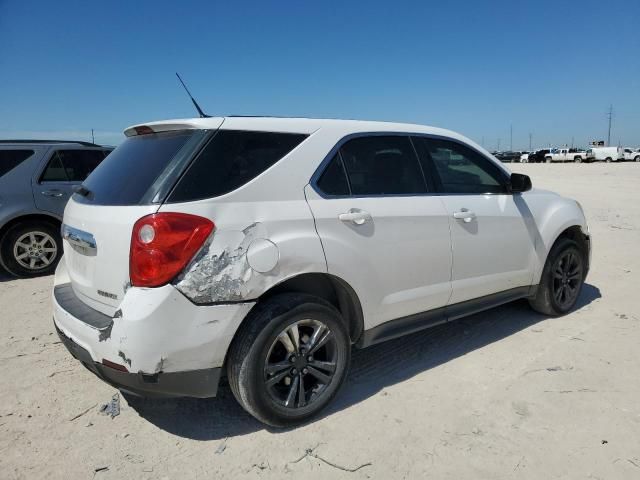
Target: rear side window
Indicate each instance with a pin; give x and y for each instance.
(333, 180)
(130, 173)
(72, 165)
(382, 165)
(459, 169)
(231, 159)
(10, 159)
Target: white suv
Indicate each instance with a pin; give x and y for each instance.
(264, 248)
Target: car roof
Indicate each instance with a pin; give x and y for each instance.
(288, 124)
(50, 142)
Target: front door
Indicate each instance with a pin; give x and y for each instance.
(492, 247)
(381, 230)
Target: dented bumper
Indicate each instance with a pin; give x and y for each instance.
(157, 335)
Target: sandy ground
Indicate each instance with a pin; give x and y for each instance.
(503, 394)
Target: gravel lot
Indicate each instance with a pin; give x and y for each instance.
(503, 394)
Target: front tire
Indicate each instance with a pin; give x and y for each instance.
(637, 158)
(31, 248)
(608, 159)
(289, 359)
(562, 279)
(548, 159)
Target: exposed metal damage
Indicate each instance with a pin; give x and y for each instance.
(220, 271)
(122, 355)
(105, 333)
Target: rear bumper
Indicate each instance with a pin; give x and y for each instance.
(159, 342)
(194, 383)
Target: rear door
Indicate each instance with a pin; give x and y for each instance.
(492, 247)
(381, 229)
(64, 168)
(131, 183)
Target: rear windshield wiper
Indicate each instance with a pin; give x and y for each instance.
(81, 190)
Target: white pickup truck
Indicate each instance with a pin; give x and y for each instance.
(632, 154)
(565, 155)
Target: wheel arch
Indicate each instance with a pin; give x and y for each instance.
(41, 217)
(330, 288)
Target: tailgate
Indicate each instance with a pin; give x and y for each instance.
(96, 251)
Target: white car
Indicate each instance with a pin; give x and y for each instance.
(264, 248)
(632, 154)
(524, 158)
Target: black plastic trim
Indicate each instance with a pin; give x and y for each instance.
(67, 299)
(193, 383)
(420, 321)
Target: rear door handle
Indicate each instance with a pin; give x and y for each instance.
(355, 216)
(52, 193)
(465, 215)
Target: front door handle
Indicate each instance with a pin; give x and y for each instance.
(355, 216)
(52, 193)
(465, 215)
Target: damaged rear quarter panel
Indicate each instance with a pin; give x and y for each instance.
(220, 272)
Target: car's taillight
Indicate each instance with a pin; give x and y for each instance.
(162, 244)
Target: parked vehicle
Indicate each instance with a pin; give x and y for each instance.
(632, 154)
(36, 180)
(565, 155)
(524, 158)
(507, 157)
(537, 156)
(607, 154)
(266, 247)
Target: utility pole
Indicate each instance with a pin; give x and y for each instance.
(572, 140)
(530, 136)
(609, 115)
(511, 137)
(498, 149)
(93, 140)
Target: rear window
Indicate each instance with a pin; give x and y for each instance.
(135, 173)
(231, 159)
(10, 159)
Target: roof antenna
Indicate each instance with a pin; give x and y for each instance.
(195, 104)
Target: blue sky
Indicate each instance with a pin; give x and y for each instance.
(548, 67)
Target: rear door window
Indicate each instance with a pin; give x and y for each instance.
(382, 165)
(333, 180)
(231, 159)
(71, 165)
(10, 159)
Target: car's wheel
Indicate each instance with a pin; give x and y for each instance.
(578, 159)
(562, 279)
(548, 159)
(608, 159)
(289, 358)
(637, 158)
(31, 248)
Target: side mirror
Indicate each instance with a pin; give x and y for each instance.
(520, 183)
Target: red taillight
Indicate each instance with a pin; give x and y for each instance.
(162, 244)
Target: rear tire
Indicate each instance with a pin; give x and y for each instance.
(562, 279)
(637, 158)
(548, 159)
(578, 159)
(30, 249)
(281, 368)
(608, 159)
